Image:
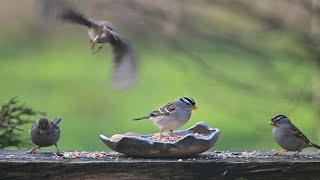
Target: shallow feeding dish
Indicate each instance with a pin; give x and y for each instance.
(192, 141)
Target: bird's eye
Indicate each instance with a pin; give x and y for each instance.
(187, 104)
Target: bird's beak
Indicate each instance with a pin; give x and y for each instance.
(271, 123)
(194, 108)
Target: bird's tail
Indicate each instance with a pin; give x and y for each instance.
(141, 118)
(315, 145)
(57, 120)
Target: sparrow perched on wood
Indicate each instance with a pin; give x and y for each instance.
(173, 115)
(100, 32)
(288, 136)
(44, 133)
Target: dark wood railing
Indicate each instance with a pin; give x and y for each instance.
(111, 165)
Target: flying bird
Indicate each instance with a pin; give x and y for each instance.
(100, 32)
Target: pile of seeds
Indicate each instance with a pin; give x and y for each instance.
(84, 154)
(165, 137)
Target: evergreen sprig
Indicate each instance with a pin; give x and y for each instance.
(12, 115)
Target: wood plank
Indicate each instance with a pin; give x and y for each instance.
(208, 165)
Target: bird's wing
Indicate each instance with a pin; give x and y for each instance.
(55, 126)
(63, 10)
(163, 111)
(125, 64)
(299, 134)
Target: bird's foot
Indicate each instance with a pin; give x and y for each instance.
(93, 51)
(295, 153)
(279, 153)
(172, 134)
(59, 153)
(33, 151)
(93, 44)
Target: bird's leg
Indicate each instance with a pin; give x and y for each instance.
(58, 153)
(99, 48)
(171, 131)
(94, 41)
(34, 150)
(161, 133)
(57, 148)
(279, 153)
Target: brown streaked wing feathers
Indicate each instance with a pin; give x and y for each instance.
(162, 111)
(298, 133)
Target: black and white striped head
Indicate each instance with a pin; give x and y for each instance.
(188, 102)
(278, 120)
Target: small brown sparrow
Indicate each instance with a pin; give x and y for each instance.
(44, 133)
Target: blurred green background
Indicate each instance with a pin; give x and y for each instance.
(243, 62)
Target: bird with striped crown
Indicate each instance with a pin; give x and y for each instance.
(288, 136)
(173, 115)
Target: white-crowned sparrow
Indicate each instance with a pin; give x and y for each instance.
(44, 133)
(173, 115)
(101, 32)
(288, 136)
